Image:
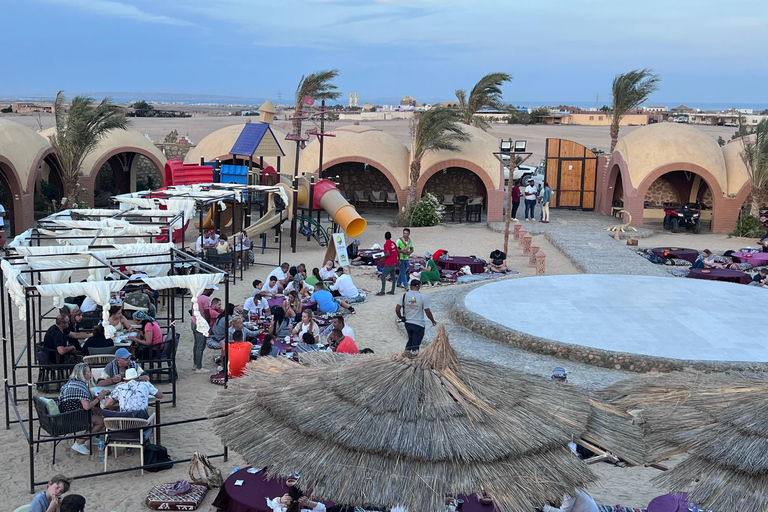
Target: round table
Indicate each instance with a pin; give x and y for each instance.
(720, 274)
(305, 304)
(757, 259)
(676, 252)
(251, 496)
(669, 503)
(457, 262)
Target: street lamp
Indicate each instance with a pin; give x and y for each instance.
(519, 146)
(505, 146)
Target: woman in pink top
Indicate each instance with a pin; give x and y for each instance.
(152, 336)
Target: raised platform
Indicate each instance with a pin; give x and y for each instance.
(619, 321)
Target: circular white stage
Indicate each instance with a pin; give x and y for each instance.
(688, 319)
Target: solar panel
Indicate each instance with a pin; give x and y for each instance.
(249, 139)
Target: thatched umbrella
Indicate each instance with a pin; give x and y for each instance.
(721, 420)
(393, 430)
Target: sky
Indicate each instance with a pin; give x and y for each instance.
(558, 51)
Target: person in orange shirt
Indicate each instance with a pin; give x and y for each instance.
(342, 344)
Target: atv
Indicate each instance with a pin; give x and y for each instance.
(685, 216)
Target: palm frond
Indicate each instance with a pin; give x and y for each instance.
(318, 85)
(485, 94)
(438, 129)
(631, 89)
(754, 153)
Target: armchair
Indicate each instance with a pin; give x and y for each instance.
(61, 424)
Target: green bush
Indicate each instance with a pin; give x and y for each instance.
(427, 212)
(749, 227)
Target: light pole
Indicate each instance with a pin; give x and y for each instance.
(511, 151)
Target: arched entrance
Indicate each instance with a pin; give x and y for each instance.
(675, 188)
(456, 181)
(124, 171)
(11, 197)
(363, 178)
(6, 199)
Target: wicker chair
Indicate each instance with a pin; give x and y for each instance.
(133, 438)
(377, 198)
(100, 351)
(62, 424)
(222, 261)
(98, 361)
(53, 366)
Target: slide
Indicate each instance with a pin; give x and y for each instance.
(226, 217)
(328, 197)
(272, 217)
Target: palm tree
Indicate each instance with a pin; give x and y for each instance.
(755, 157)
(317, 86)
(79, 130)
(436, 129)
(485, 94)
(629, 91)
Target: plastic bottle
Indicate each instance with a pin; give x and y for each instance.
(101, 450)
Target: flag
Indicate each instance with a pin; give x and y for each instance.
(308, 100)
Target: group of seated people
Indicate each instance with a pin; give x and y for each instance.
(238, 244)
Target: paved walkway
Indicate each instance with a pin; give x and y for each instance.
(582, 237)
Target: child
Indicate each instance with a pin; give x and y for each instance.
(50, 500)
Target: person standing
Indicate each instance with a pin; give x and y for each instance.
(546, 198)
(204, 305)
(530, 201)
(411, 310)
(404, 250)
(390, 263)
(515, 200)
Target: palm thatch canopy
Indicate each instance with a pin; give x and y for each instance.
(722, 420)
(399, 430)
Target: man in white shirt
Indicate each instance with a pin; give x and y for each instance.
(256, 305)
(345, 287)
(327, 272)
(207, 241)
(281, 273)
(88, 305)
(581, 503)
(272, 287)
(530, 200)
(338, 323)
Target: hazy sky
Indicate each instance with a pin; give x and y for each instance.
(557, 50)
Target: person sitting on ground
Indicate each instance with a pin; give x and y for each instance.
(76, 395)
(292, 305)
(345, 288)
(497, 263)
(236, 324)
(314, 278)
(761, 278)
(298, 284)
(342, 344)
(280, 325)
(302, 269)
(151, 337)
(72, 503)
(272, 287)
(709, 260)
(97, 340)
(338, 323)
(55, 340)
(118, 321)
(432, 274)
(257, 286)
(295, 501)
(559, 374)
(215, 310)
(325, 302)
(440, 254)
(328, 273)
(352, 251)
(308, 343)
(267, 348)
(282, 274)
(307, 324)
(582, 502)
(115, 371)
(50, 499)
(133, 395)
(256, 305)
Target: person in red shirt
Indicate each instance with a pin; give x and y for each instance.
(515, 200)
(390, 264)
(342, 344)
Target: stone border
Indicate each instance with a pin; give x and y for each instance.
(582, 354)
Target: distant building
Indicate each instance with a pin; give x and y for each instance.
(409, 101)
(655, 108)
(593, 119)
(682, 109)
(29, 108)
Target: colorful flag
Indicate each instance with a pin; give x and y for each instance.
(308, 100)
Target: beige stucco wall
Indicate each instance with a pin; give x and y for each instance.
(21, 145)
(478, 150)
(737, 171)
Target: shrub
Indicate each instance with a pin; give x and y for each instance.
(427, 212)
(749, 227)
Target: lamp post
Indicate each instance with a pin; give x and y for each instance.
(512, 151)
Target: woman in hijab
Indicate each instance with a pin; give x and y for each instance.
(432, 274)
(151, 336)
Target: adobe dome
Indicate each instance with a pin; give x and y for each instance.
(478, 150)
(650, 147)
(23, 148)
(734, 165)
(363, 142)
(219, 143)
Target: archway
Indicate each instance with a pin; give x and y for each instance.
(360, 177)
(124, 170)
(456, 181)
(12, 199)
(617, 197)
(675, 188)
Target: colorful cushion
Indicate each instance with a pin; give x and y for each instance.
(51, 405)
(158, 499)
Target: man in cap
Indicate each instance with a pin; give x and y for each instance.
(530, 200)
(116, 370)
(204, 305)
(133, 395)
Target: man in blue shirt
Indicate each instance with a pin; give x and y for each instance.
(325, 301)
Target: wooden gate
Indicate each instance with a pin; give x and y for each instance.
(571, 173)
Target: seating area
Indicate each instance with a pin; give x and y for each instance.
(463, 208)
(377, 198)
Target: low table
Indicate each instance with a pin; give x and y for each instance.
(457, 262)
(305, 304)
(720, 274)
(757, 259)
(676, 252)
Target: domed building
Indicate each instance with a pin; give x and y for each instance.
(670, 164)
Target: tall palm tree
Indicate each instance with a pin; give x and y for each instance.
(317, 86)
(79, 130)
(629, 91)
(485, 94)
(436, 129)
(755, 156)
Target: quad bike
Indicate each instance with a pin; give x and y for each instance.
(685, 216)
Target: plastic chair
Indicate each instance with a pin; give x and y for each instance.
(133, 438)
(392, 198)
(23, 508)
(62, 424)
(377, 197)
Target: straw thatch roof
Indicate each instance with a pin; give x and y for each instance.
(722, 420)
(393, 430)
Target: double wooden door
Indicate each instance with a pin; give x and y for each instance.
(571, 173)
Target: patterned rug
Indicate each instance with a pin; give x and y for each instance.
(619, 508)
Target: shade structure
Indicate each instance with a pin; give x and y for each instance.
(721, 420)
(402, 430)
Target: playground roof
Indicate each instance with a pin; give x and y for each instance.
(257, 139)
